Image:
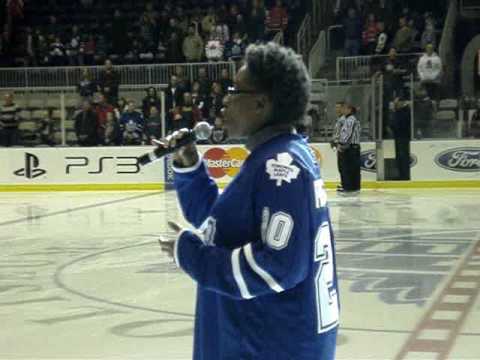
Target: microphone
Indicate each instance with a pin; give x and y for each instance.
(201, 131)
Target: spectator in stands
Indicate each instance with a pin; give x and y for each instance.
(173, 28)
(187, 115)
(150, 100)
(153, 125)
(102, 109)
(112, 135)
(46, 129)
(147, 29)
(225, 80)
(221, 12)
(40, 48)
(198, 99)
(353, 33)
(231, 18)
(29, 47)
(86, 125)
(370, 34)
(277, 18)
(240, 26)
(161, 55)
(423, 113)
(382, 38)
(208, 21)
(173, 100)
(73, 47)
(131, 125)
(109, 82)
(120, 107)
(9, 120)
(235, 48)
(101, 50)
(86, 87)
(145, 53)
(215, 102)
(403, 40)
(204, 81)
(214, 47)
(401, 128)
(219, 134)
(57, 52)
(429, 35)
(183, 83)
(117, 34)
(52, 26)
(256, 22)
(193, 46)
(88, 48)
(174, 48)
(393, 72)
(430, 72)
(133, 53)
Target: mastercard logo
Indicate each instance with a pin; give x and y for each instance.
(224, 162)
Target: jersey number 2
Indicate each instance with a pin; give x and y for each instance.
(327, 299)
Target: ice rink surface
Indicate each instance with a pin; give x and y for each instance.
(82, 276)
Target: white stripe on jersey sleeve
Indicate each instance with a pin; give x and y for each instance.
(247, 249)
(237, 274)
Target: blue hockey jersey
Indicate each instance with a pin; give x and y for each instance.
(263, 256)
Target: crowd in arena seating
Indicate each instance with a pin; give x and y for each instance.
(87, 32)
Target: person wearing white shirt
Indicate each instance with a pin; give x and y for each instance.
(430, 71)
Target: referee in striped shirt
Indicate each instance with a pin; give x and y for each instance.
(9, 120)
(349, 147)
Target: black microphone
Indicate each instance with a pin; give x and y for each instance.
(201, 131)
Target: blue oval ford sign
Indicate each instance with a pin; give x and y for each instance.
(368, 160)
(466, 159)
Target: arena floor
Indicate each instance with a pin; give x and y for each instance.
(82, 277)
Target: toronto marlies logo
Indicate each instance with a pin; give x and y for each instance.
(282, 169)
(31, 170)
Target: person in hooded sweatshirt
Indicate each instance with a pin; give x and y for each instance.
(430, 72)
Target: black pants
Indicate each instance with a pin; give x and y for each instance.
(340, 162)
(349, 162)
(9, 137)
(402, 157)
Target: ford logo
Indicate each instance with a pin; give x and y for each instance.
(368, 160)
(466, 159)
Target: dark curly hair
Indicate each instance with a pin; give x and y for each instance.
(280, 73)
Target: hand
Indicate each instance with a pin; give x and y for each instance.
(168, 246)
(185, 156)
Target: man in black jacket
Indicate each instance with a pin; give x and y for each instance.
(86, 126)
(401, 129)
(109, 82)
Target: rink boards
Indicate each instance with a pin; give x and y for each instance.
(433, 163)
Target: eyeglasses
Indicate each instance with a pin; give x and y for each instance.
(232, 90)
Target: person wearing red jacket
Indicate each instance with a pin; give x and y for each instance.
(370, 33)
(277, 18)
(102, 109)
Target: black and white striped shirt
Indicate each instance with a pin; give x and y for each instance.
(338, 128)
(350, 131)
(9, 116)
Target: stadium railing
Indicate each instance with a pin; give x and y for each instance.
(29, 77)
(363, 67)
